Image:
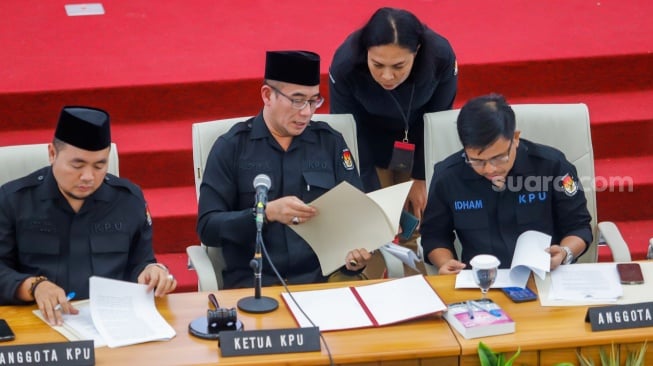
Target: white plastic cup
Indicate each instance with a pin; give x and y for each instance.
(485, 261)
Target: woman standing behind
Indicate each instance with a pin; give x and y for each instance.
(388, 74)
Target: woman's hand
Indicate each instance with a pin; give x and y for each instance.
(417, 198)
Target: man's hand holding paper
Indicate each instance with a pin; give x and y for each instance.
(531, 254)
(349, 221)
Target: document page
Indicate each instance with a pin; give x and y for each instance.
(530, 255)
(329, 309)
(401, 299)
(124, 313)
(465, 279)
(78, 327)
(586, 282)
(349, 219)
(603, 275)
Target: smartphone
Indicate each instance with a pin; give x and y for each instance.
(630, 273)
(518, 294)
(408, 223)
(6, 334)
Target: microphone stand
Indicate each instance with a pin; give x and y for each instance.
(257, 304)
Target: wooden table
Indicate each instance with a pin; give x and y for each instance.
(427, 341)
(545, 335)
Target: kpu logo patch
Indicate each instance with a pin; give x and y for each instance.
(148, 217)
(569, 185)
(347, 160)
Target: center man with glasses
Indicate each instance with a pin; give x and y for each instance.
(303, 159)
(498, 187)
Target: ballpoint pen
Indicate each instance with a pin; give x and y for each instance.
(494, 312)
(214, 301)
(470, 311)
(70, 296)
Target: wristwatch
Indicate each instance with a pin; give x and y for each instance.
(570, 255)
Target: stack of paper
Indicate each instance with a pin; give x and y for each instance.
(530, 255)
(404, 254)
(78, 327)
(586, 282)
(118, 313)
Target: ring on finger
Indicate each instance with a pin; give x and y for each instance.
(295, 220)
(353, 262)
(171, 277)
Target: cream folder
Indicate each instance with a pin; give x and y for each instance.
(350, 219)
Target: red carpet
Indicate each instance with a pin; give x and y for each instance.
(160, 66)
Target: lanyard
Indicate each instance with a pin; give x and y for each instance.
(404, 116)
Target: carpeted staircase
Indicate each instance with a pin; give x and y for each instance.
(152, 120)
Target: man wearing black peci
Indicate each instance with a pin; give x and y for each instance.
(303, 159)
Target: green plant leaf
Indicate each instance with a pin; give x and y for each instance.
(612, 359)
(513, 358)
(637, 358)
(486, 356)
(584, 361)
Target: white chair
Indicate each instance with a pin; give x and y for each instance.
(563, 126)
(19, 160)
(208, 262)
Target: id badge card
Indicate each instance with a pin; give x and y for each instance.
(402, 157)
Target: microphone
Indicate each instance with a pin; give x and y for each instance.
(257, 303)
(262, 184)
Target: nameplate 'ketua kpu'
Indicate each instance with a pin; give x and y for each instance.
(269, 341)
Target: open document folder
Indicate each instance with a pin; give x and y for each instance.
(118, 313)
(530, 255)
(368, 305)
(349, 219)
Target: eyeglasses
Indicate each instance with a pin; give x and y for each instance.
(301, 103)
(495, 161)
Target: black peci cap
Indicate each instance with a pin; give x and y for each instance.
(296, 67)
(84, 127)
